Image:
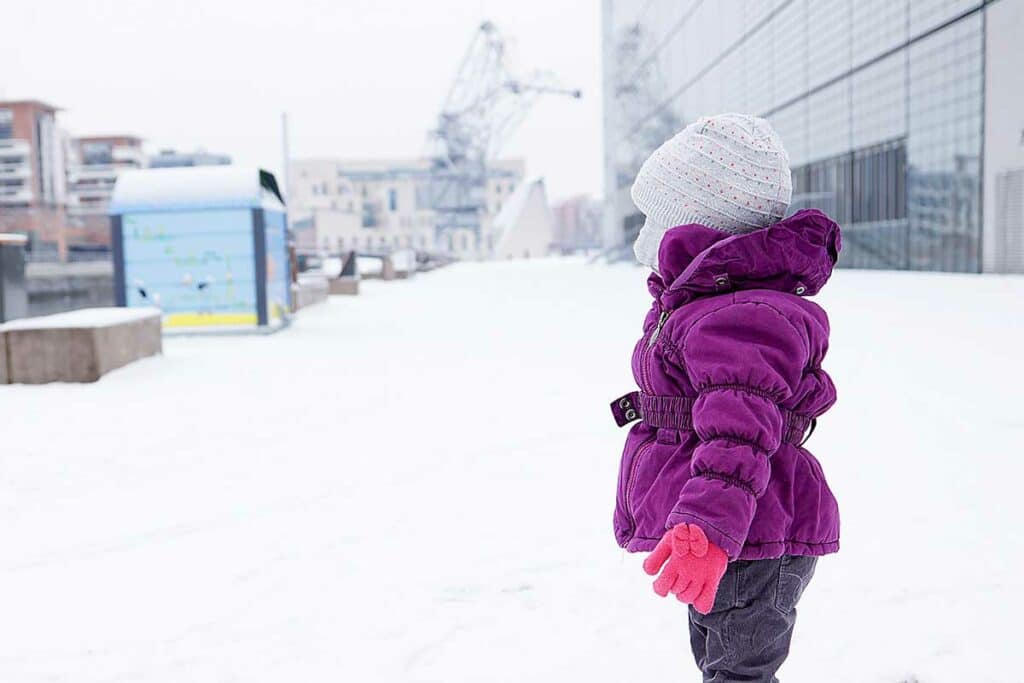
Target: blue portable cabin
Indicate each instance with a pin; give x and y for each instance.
(207, 245)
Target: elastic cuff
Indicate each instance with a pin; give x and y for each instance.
(727, 543)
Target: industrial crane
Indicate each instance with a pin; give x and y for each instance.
(484, 104)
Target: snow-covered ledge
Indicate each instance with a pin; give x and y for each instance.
(78, 346)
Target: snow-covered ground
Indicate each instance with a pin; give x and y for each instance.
(417, 485)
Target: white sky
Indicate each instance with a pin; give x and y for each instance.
(358, 78)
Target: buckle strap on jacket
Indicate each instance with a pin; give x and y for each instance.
(676, 412)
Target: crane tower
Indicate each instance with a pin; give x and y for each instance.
(483, 106)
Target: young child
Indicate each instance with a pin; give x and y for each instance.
(714, 478)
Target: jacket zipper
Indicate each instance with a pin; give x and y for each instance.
(657, 330)
(631, 481)
(645, 386)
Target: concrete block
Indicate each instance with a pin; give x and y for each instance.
(348, 286)
(80, 346)
(387, 270)
(310, 289)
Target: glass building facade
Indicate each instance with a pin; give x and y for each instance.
(880, 104)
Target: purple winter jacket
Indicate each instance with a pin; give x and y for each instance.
(730, 377)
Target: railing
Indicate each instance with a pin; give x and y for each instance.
(15, 147)
(19, 197)
(15, 171)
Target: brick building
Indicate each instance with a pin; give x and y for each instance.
(93, 165)
(32, 181)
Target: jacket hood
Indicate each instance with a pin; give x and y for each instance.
(795, 255)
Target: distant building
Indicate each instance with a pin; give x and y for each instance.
(577, 224)
(94, 164)
(170, 158)
(382, 205)
(32, 183)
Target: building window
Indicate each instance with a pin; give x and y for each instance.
(97, 153)
(863, 186)
(6, 124)
(392, 200)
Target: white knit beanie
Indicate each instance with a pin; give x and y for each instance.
(728, 172)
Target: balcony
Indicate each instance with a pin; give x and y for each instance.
(132, 157)
(91, 209)
(93, 172)
(15, 197)
(83, 195)
(14, 149)
(15, 171)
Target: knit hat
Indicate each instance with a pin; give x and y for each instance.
(728, 172)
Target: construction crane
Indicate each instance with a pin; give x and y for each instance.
(484, 105)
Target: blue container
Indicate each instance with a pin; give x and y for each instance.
(206, 245)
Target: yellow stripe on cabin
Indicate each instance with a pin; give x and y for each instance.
(207, 319)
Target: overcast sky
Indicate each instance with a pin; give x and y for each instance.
(358, 78)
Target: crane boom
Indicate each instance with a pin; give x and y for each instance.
(484, 104)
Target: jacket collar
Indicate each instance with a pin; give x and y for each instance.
(795, 255)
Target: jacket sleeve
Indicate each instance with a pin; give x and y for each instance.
(743, 360)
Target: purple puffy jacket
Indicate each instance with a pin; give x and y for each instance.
(730, 377)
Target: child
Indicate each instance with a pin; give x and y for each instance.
(714, 479)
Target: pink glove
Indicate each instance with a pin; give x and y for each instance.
(695, 566)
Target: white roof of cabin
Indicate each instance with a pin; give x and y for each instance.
(195, 187)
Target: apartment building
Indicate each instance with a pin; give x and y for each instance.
(381, 205)
(32, 183)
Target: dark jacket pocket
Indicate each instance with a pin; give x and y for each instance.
(795, 573)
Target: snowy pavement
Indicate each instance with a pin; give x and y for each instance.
(417, 485)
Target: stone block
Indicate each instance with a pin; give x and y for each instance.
(348, 286)
(80, 346)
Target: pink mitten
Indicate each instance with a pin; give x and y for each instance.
(695, 566)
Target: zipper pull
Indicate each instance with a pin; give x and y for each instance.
(657, 330)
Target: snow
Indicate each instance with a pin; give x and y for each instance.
(190, 187)
(416, 484)
(404, 260)
(367, 265)
(83, 317)
(15, 238)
